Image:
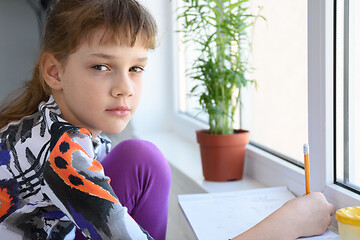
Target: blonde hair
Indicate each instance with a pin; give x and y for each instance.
(70, 22)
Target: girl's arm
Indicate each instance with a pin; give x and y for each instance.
(303, 216)
(76, 184)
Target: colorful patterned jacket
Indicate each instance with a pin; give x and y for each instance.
(51, 181)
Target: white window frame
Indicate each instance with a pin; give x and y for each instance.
(321, 104)
(269, 169)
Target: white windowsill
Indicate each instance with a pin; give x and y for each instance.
(260, 166)
(262, 169)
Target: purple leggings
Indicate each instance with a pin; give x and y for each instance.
(140, 176)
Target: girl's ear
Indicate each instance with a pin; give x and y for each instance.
(51, 69)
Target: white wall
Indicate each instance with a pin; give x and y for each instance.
(19, 44)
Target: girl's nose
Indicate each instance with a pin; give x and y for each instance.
(123, 87)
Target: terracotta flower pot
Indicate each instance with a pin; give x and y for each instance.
(222, 156)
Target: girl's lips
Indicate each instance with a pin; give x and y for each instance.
(119, 111)
(119, 108)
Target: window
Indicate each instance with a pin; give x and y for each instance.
(322, 104)
(275, 113)
(347, 97)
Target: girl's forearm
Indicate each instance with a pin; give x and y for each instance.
(302, 216)
(275, 226)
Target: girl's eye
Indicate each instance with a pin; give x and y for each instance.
(136, 69)
(100, 68)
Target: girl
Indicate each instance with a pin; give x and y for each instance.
(88, 80)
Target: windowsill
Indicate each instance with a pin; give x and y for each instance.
(260, 166)
(262, 169)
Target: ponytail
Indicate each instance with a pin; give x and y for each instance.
(27, 99)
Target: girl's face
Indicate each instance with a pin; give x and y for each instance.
(101, 85)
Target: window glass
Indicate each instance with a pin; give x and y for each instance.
(279, 119)
(188, 52)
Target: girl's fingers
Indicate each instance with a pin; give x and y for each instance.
(332, 212)
(332, 209)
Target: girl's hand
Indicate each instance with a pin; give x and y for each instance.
(309, 214)
(302, 216)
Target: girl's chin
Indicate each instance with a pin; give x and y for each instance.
(114, 130)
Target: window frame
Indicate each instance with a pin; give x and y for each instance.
(346, 78)
(262, 165)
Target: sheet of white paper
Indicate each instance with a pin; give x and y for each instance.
(225, 215)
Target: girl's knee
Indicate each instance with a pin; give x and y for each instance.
(143, 154)
(136, 149)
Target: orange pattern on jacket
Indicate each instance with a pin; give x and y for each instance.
(5, 201)
(67, 172)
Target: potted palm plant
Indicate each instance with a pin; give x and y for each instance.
(220, 31)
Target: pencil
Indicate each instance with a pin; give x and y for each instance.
(307, 168)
